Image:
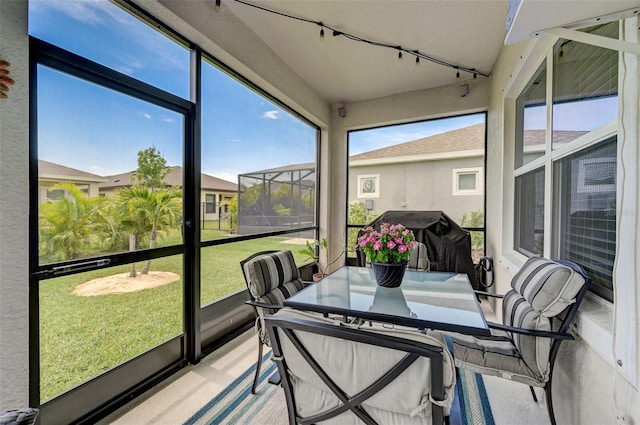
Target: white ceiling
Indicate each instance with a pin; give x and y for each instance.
(467, 33)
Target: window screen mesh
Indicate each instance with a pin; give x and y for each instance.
(530, 212)
(588, 214)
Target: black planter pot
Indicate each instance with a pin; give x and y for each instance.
(389, 275)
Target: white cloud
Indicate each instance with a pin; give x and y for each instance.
(272, 115)
(147, 116)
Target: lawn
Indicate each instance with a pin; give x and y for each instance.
(81, 337)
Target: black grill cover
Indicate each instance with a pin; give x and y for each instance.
(448, 244)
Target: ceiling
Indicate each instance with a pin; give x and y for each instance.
(466, 33)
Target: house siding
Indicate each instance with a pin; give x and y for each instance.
(427, 185)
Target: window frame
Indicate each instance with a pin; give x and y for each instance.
(548, 161)
(362, 178)
(476, 172)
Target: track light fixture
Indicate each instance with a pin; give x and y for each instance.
(217, 6)
(354, 37)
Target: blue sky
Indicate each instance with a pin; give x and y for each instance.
(99, 131)
(96, 130)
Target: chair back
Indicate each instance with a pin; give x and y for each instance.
(418, 259)
(271, 278)
(542, 291)
(334, 373)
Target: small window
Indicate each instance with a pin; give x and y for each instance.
(467, 181)
(369, 186)
(56, 194)
(210, 203)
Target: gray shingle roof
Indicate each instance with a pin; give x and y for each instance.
(48, 169)
(173, 178)
(464, 139)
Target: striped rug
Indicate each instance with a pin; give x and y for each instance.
(235, 404)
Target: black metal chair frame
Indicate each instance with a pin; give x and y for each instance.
(414, 350)
(558, 336)
(255, 304)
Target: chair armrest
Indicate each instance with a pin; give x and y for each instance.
(489, 294)
(263, 305)
(530, 332)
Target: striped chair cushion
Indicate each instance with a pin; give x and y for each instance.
(269, 272)
(495, 355)
(517, 312)
(547, 286)
(272, 278)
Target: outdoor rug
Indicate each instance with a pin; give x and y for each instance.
(235, 404)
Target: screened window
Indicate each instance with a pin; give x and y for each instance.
(530, 213)
(582, 166)
(134, 48)
(419, 166)
(531, 105)
(587, 182)
(585, 86)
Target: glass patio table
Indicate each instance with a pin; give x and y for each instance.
(424, 300)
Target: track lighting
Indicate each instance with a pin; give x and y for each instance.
(417, 60)
(217, 6)
(399, 55)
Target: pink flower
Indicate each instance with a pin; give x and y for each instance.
(391, 244)
(398, 240)
(377, 245)
(402, 248)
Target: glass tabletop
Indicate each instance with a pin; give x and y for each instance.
(426, 300)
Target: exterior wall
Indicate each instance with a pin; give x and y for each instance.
(588, 383)
(14, 210)
(427, 186)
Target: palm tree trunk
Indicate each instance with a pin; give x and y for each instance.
(152, 244)
(132, 247)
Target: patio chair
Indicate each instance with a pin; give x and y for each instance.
(271, 277)
(333, 373)
(525, 346)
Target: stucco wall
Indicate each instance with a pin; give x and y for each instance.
(426, 185)
(14, 205)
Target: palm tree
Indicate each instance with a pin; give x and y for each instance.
(143, 210)
(72, 224)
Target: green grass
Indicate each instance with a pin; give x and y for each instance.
(81, 337)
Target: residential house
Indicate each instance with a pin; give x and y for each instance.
(444, 172)
(50, 175)
(213, 195)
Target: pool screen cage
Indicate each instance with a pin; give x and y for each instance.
(277, 199)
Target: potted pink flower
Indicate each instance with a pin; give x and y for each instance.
(388, 247)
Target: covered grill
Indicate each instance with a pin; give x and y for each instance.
(448, 244)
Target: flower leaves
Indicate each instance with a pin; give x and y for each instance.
(392, 244)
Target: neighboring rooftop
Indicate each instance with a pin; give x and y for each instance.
(173, 178)
(50, 170)
(464, 139)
